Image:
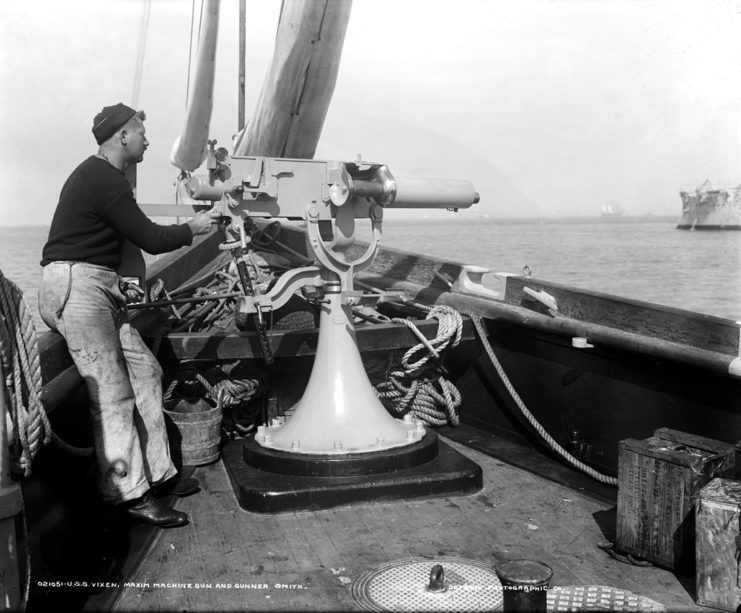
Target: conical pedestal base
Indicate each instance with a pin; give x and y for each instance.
(269, 481)
(339, 413)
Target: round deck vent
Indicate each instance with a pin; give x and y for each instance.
(442, 584)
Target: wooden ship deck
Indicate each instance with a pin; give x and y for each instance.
(308, 560)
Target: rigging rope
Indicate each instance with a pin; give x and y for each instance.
(483, 335)
(29, 425)
(140, 52)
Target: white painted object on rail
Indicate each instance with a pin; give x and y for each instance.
(189, 149)
(470, 282)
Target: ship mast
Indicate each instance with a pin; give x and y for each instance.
(242, 40)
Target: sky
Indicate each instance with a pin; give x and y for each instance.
(550, 107)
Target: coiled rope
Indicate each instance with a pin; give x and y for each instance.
(420, 387)
(478, 323)
(230, 386)
(626, 558)
(219, 314)
(218, 383)
(24, 521)
(29, 424)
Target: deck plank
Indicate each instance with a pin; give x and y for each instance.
(516, 514)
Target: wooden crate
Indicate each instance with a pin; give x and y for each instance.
(658, 479)
(718, 545)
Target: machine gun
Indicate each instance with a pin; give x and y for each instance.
(339, 412)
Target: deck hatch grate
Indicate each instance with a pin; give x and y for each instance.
(599, 598)
(402, 586)
(473, 586)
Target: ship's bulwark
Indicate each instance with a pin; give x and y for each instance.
(711, 209)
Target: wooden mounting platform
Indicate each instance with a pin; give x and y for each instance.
(293, 343)
(259, 490)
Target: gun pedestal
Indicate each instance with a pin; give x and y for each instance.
(339, 445)
(339, 412)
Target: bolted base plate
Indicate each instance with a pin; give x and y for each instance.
(341, 465)
(268, 491)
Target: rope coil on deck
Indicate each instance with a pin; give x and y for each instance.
(29, 424)
(626, 558)
(420, 387)
(483, 335)
(219, 313)
(214, 312)
(230, 386)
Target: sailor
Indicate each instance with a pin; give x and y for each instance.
(83, 298)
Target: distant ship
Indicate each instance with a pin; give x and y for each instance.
(612, 209)
(711, 209)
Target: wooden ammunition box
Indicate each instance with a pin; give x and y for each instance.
(658, 480)
(718, 545)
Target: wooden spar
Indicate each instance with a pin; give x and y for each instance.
(242, 75)
(189, 149)
(298, 88)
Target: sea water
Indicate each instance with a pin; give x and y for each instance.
(643, 258)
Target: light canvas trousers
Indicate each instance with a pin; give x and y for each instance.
(124, 380)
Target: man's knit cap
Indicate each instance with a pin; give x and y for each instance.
(110, 120)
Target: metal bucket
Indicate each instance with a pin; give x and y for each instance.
(524, 585)
(194, 428)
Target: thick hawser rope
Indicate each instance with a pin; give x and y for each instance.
(29, 424)
(29, 427)
(483, 335)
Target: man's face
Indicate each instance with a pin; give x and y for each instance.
(135, 141)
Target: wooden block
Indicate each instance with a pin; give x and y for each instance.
(10, 583)
(718, 545)
(658, 479)
(11, 500)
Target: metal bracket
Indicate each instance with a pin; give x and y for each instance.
(281, 292)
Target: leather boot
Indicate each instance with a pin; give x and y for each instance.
(149, 510)
(177, 487)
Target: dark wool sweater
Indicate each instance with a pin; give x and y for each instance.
(96, 212)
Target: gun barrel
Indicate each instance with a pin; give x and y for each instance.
(412, 193)
(308, 175)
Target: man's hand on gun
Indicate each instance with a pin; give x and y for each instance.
(203, 221)
(131, 290)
